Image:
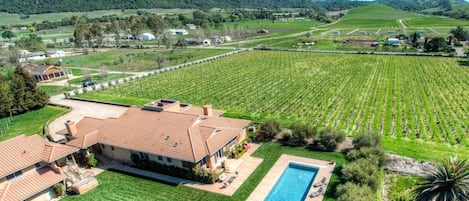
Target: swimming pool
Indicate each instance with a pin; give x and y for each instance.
(294, 183)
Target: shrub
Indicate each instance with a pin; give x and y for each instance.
(330, 139)
(285, 134)
(204, 175)
(91, 160)
(362, 172)
(302, 131)
(59, 189)
(268, 130)
(367, 139)
(353, 192)
(375, 154)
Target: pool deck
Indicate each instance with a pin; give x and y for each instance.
(265, 186)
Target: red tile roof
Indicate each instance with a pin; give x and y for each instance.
(179, 135)
(30, 184)
(23, 151)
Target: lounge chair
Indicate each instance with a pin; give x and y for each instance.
(321, 183)
(317, 193)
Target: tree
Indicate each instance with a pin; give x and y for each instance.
(6, 98)
(353, 192)
(302, 131)
(437, 44)
(363, 172)
(448, 182)
(8, 34)
(160, 58)
(459, 33)
(32, 42)
(330, 138)
(114, 28)
(96, 33)
(367, 139)
(25, 93)
(157, 25)
(268, 129)
(80, 29)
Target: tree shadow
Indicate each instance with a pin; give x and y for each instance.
(464, 62)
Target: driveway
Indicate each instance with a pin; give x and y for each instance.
(79, 110)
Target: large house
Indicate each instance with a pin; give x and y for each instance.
(164, 131)
(27, 56)
(29, 167)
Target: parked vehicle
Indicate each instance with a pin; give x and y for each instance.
(88, 83)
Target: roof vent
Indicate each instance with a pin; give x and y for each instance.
(175, 144)
(166, 138)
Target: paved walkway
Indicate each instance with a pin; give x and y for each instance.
(269, 180)
(79, 110)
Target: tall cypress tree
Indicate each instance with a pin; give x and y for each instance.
(6, 98)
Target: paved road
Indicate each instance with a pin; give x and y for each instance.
(80, 109)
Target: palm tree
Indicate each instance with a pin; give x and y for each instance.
(448, 182)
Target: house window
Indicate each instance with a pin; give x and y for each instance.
(14, 175)
(169, 160)
(102, 145)
(203, 161)
(112, 148)
(232, 142)
(37, 165)
(143, 156)
(160, 158)
(187, 165)
(220, 153)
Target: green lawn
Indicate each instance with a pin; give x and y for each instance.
(400, 187)
(31, 122)
(117, 186)
(54, 90)
(138, 59)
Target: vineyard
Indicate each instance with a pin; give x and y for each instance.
(403, 97)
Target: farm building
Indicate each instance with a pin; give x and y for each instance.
(146, 36)
(393, 41)
(44, 72)
(26, 55)
(165, 132)
(190, 26)
(174, 32)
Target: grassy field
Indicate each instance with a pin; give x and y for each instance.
(116, 186)
(400, 187)
(54, 90)
(138, 59)
(356, 93)
(31, 122)
(430, 21)
(14, 19)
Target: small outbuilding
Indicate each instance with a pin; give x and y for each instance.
(146, 36)
(174, 32)
(393, 41)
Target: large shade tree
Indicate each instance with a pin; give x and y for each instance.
(448, 182)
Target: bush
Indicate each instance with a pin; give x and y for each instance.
(367, 139)
(59, 189)
(285, 134)
(329, 139)
(302, 131)
(204, 175)
(353, 192)
(268, 130)
(91, 160)
(362, 172)
(375, 154)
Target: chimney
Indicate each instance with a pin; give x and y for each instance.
(208, 110)
(71, 128)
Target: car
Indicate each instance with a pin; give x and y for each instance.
(88, 83)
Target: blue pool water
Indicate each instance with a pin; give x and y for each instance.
(294, 184)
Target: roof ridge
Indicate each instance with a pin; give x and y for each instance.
(5, 191)
(190, 142)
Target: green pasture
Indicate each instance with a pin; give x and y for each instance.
(98, 78)
(117, 186)
(55, 90)
(31, 122)
(14, 19)
(138, 59)
(349, 92)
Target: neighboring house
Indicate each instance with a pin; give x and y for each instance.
(44, 72)
(27, 56)
(174, 32)
(165, 132)
(146, 36)
(30, 166)
(393, 41)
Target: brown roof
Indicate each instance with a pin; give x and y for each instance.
(30, 184)
(23, 151)
(200, 111)
(179, 135)
(41, 69)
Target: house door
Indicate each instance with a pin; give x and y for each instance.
(219, 155)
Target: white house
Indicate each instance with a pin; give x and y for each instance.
(173, 32)
(146, 36)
